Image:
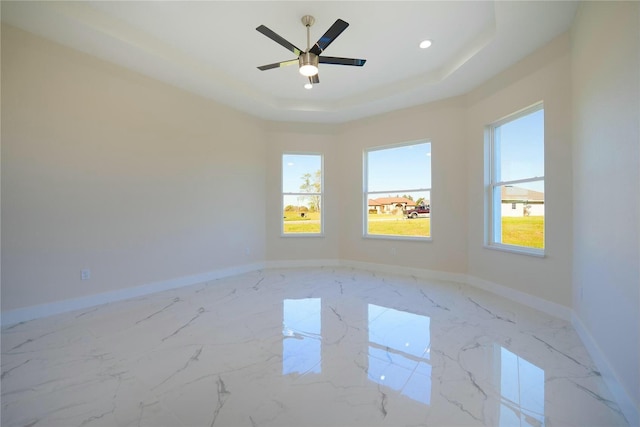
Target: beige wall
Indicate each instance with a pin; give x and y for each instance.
(141, 182)
(457, 219)
(543, 76)
(301, 139)
(606, 161)
(343, 148)
(113, 157)
(439, 123)
(108, 170)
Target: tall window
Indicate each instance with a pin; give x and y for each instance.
(302, 194)
(397, 191)
(515, 190)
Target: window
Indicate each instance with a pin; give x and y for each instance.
(515, 190)
(302, 194)
(397, 191)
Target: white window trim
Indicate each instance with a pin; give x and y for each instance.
(490, 204)
(366, 192)
(321, 194)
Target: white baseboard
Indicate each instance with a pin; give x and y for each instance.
(422, 273)
(627, 406)
(49, 309)
(548, 307)
(303, 263)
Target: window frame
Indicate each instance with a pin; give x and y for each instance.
(366, 193)
(298, 194)
(492, 206)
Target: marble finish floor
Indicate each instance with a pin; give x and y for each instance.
(303, 347)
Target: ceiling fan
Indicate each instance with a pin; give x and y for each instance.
(308, 59)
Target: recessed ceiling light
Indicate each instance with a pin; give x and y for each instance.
(425, 44)
(308, 85)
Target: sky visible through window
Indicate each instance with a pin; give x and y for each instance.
(522, 149)
(295, 166)
(403, 167)
(409, 166)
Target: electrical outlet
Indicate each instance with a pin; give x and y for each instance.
(85, 274)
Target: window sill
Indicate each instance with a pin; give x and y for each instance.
(301, 235)
(539, 253)
(392, 237)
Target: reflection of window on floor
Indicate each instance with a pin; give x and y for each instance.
(399, 346)
(522, 391)
(301, 328)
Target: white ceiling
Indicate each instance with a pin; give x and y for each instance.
(212, 48)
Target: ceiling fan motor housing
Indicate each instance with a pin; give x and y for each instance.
(308, 64)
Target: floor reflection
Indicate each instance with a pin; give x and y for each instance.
(301, 330)
(521, 391)
(399, 346)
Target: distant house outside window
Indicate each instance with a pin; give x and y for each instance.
(515, 188)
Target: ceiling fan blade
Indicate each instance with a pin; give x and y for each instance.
(280, 40)
(277, 65)
(341, 61)
(314, 79)
(336, 29)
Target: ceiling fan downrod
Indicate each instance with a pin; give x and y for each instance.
(308, 21)
(308, 62)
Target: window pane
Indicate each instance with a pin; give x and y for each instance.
(519, 148)
(396, 168)
(524, 225)
(406, 214)
(302, 210)
(517, 180)
(302, 213)
(394, 176)
(301, 173)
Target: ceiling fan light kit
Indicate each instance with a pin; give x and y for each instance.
(308, 64)
(308, 60)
